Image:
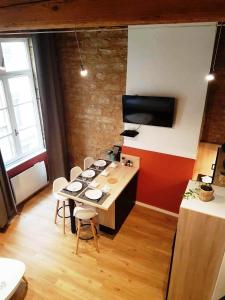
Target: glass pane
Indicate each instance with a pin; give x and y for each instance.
(29, 139)
(25, 116)
(7, 148)
(20, 89)
(15, 56)
(5, 127)
(2, 96)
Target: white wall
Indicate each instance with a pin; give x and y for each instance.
(170, 61)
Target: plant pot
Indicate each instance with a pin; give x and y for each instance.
(205, 195)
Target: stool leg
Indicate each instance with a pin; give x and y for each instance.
(56, 210)
(94, 234)
(25, 280)
(78, 234)
(64, 225)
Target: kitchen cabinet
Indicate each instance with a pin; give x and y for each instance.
(198, 266)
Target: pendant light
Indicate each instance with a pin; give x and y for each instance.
(211, 75)
(83, 70)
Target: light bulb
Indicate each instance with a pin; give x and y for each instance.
(83, 72)
(209, 77)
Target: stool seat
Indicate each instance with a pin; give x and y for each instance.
(84, 213)
(59, 197)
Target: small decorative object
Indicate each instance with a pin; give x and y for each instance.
(112, 180)
(123, 161)
(111, 155)
(206, 190)
(113, 165)
(129, 163)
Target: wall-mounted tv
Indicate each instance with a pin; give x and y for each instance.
(148, 110)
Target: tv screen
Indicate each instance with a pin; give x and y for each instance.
(148, 110)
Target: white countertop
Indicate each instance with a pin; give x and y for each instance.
(216, 207)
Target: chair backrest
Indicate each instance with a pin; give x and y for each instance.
(59, 184)
(88, 161)
(74, 172)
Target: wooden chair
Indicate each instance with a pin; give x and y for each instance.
(74, 172)
(85, 213)
(58, 185)
(88, 161)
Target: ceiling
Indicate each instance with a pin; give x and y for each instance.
(48, 14)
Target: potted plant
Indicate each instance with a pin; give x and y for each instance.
(206, 190)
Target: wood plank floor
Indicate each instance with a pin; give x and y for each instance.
(133, 265)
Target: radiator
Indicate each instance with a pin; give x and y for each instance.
(30, 181)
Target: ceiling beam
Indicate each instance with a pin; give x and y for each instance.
(48, 14)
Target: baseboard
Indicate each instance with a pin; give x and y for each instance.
(157, 209)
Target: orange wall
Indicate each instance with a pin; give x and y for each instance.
(162, 178)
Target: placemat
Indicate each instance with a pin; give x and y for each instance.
(84, 185)
(108, 162)
(99, 201)
(88, 180)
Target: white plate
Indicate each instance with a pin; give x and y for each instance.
(88, 173)
(100, 163)
(93, 194)
(74, 186)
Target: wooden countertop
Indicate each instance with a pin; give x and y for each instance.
(215, 208)
(123, 176)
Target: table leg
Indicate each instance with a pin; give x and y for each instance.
(72, 218)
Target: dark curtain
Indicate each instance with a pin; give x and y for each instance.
(51, 104)
(7, 198)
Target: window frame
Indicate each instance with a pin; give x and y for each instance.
(29, 73)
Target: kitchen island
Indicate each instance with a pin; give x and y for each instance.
(117, 202)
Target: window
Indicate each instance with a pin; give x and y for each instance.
(20, 126)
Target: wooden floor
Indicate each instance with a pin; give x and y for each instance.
(133, 265)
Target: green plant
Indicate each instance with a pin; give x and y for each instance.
(191, 194)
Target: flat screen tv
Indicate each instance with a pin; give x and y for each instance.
(148, 110)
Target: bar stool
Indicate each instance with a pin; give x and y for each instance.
(88, 161)
(58, 185)
(85, 213)
(74, 172)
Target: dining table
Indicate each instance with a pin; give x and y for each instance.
(108, 186)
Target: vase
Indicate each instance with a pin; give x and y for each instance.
(206, 195)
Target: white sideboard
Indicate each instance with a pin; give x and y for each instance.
(198, 267)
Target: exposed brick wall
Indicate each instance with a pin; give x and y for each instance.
(93, 105)
(214, 122)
